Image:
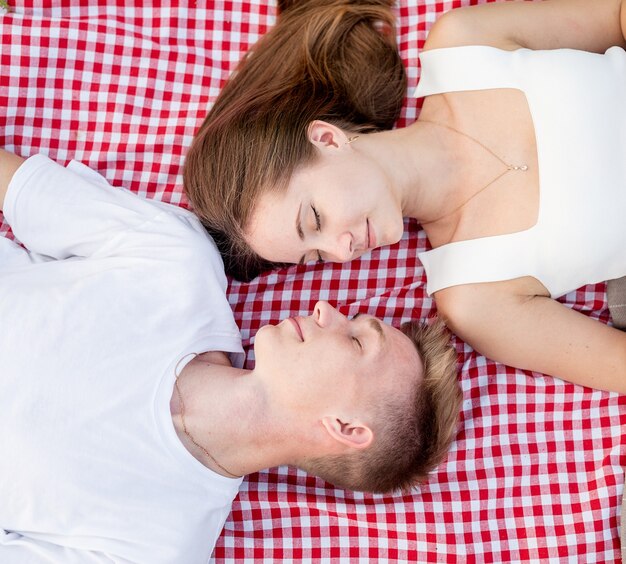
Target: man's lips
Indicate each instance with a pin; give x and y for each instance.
(297, 327)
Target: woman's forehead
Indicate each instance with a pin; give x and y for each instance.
(272, 231)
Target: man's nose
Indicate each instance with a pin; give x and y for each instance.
(326, 315)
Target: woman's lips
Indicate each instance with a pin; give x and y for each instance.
(371, 236)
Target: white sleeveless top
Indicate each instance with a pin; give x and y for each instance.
(577, 102)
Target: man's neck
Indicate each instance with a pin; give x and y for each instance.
(224, 411)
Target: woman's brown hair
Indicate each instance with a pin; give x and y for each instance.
(332, 60)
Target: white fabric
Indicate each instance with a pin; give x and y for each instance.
(577, 101)
(115, 291)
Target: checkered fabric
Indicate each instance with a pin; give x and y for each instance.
(535, 474)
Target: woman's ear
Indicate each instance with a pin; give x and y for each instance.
(352, 434)
(325, 135)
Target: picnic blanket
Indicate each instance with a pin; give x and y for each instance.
(536, 472)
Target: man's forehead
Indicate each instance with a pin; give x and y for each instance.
(401, 349)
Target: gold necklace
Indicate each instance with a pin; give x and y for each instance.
(509, 167)
(204, 450)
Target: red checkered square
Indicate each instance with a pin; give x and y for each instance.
(535, 474)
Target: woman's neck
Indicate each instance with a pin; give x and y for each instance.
(447, 168)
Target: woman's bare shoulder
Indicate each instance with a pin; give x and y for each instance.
(467, 26)
(576, 24)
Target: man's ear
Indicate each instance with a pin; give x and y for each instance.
(325, 135)
(352, 434)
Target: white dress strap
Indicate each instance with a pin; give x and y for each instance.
(488, 259)
(475, 67)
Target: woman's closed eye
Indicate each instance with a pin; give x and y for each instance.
(318, 227)
(316, 215)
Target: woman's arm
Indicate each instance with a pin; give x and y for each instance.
(590, 25)
(536, 333)
(9, 163)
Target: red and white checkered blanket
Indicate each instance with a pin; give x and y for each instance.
(535, 474)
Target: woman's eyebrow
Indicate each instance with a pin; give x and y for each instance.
(299, 223)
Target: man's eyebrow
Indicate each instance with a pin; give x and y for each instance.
(374, 324)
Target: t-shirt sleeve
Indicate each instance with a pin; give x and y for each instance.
(18, 549)
(63, 212)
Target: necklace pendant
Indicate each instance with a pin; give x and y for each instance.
(523, 167)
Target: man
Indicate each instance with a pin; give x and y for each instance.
(125, 429)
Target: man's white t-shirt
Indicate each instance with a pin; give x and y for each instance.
(110, 299)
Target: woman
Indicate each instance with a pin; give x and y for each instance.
(514, 170)
(334, 59)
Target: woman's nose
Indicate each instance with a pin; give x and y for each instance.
(340, 247)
